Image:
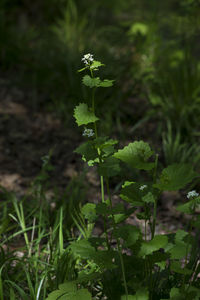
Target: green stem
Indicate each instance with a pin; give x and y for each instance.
(104, 219)
(154, 218)
(123, 268)
(188, 241)
(187, 247)
(100, 161)
(155, 169)
(156, 200)
(93, 110)
(118, 242)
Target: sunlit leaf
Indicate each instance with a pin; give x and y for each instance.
(138, 28)
(96, 82)
(89, 211)
(82, 248)
(84, 115)
(106, 83)
(159, 241)
(91, 82)
(96, 64)
(148, 198)
(68, 291)
(136, 155)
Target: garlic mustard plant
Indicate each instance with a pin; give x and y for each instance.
(140, 265)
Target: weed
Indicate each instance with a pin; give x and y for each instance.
(126, 261)
(129, 263)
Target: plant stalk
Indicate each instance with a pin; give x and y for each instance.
(118, 242)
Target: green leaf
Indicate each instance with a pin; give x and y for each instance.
(107, 147)
(87, 150)
(89, 212)
(175, 294)
(159, 241)
(196, 223)
(85, 250)
(188, 207)
(175, 177)
(106, 83)
(91, 82)
(64, 289)
(96, 82)
(104, 259)
(81, 294)
(130, 234)
(136, 155)
(138, 27)
(180, 235)
(97, 241)
(185, 208)
(161, 265)
(118, 208)
(179, 250)
(120, 217)
(96, 64)
(86, 277)
(148, 198)
(82, 248)
(176, 266)
(109, 167)
(158, 256)
(68, 291)
(83, 115)
(195, 291)
(131, 193)
(102, 209)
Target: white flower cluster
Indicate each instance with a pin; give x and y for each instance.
(87, 58)
(143, 187)
(88, 132)
(192, 194)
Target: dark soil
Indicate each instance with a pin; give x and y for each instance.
(26, 135)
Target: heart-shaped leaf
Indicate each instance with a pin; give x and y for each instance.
(136, 155)
(84, 115)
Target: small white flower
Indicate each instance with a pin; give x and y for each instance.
(87, 58)
(192, 194)
(143, 187)
(88, 132)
